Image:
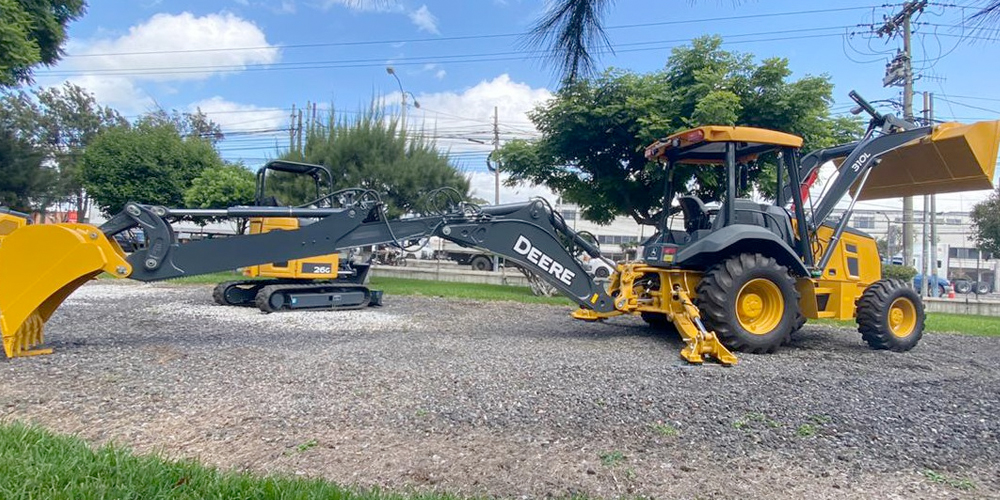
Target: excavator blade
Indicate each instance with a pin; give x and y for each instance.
(41, 265)
(953, 158)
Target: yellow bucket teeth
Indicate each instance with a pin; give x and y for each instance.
(41, 265)
(30, 334)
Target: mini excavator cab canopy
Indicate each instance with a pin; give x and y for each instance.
(320, 175)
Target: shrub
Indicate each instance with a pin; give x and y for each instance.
(905, 273)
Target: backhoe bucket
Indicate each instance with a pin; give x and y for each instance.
(953, 158)
(41, 265)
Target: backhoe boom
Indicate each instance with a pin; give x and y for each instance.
(527, 233)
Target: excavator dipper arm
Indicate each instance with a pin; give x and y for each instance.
(42, 265)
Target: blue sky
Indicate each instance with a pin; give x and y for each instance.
(246, 62)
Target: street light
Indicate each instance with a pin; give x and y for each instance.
(416, 104)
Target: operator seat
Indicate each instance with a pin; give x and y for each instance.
(695, 214)
(773, 218)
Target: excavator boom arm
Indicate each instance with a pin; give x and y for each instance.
(42, 265)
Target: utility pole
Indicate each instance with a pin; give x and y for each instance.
(496, 171)
(496, 146)
(291, 130)
(901, 69)
(925, 258)
(298, 143)
(929, 110)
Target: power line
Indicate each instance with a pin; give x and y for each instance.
(423, 60)
(464, 37)
(968, 105)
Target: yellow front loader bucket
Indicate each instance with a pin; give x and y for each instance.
(953, 158)
(41, 265)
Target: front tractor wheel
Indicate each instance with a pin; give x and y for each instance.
(751, 303)
(890, 316)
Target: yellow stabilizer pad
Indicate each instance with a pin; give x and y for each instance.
(953, 158)
(41, 265)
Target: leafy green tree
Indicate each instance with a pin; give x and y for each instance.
(572, 32)
(986, 224)
(222, 187)
(149, 162)
(595, 130)
(61, 122)
(195, 124)
(23, 179)
(32, 33)
(372, 151)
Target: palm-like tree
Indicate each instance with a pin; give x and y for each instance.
(572, 32)
(988, 16)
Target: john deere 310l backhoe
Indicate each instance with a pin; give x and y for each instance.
(742, 277)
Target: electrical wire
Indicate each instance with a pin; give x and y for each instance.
(465, 37)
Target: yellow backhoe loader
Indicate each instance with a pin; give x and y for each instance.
(742, 277)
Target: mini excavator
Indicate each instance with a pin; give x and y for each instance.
(315, 282)
(742, 277)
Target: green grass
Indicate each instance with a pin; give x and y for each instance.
(611, 458)
(403, 286)
(35, 463)
(663, 429)
(937, 477)
(988, 326)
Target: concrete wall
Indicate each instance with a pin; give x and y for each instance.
(963, 305)
(449, 271)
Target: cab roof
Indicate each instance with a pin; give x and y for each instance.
(706, 145)
(293, 167)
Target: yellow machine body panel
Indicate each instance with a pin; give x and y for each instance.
(855, 264)
(954, 158)
(41, 265)
(9, 223)
(320, 267)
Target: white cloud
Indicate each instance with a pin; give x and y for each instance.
(287, 7)
(455, 117)
(184, 37)
(234, 116)
(469, 113)
(439, 73)
(117, 92)
(424, 20)
(360, 5)
(483, 185)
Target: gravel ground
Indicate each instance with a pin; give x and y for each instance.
(512, 400)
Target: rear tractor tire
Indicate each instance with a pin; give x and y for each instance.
(890, 315)
(750, 302)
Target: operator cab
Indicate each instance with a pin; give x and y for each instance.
(735, 149)
(287, 174)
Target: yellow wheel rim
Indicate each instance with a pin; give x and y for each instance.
(759, 306)
(902, 317)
